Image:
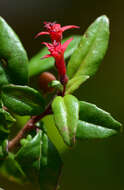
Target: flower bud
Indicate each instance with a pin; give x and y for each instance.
(44, 79)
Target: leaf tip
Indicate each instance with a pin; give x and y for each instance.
(103, 18)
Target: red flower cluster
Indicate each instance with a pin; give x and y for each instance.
(55, 48)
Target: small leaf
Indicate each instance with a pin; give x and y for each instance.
(40, 161)
(74, 83)
(56, 84)
(66, 111)
(91, 50)
(22, 100)
(37, 65)
(14, 56)
(92, 114)
(87, 130)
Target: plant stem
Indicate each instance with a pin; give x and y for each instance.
(30, 125)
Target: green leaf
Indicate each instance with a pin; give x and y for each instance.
(40, 161)
(13, 56)
(66, 111)
(87, 130)
(91, 50)
(74, 83)
(37, 65)
(12, 170)
(92, 114)
(22, 100)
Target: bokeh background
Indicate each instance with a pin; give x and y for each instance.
(93, 164)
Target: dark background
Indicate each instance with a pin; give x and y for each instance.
(93, 164)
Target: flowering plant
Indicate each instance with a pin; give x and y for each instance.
(47, 117)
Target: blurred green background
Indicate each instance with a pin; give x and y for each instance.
(93, 164)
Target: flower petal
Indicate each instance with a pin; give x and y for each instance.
(69, 27)
(48, 45)
(41, 33)
(65, 45)
(46, 56)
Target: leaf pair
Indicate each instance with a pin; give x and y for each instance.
(82, 120)
(14, 69)
(66, 111)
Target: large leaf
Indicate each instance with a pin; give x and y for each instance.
(87, 130)
(22, 100)
(94, 115)
(40, 161)
(66, 111)
(36, 65)
(95, 123)
(13, 56)
(91, 50)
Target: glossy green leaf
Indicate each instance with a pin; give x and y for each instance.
(66, 111)
(22, 100)
(13, 56)
(92, 114)
(40, 161)
(74, 83)
(36, 65)
(91, 50)
(87, 130)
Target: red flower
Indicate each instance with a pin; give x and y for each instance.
(57, 51)
(55, 30)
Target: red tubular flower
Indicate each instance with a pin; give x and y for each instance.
(55, 30)
(57, 51)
